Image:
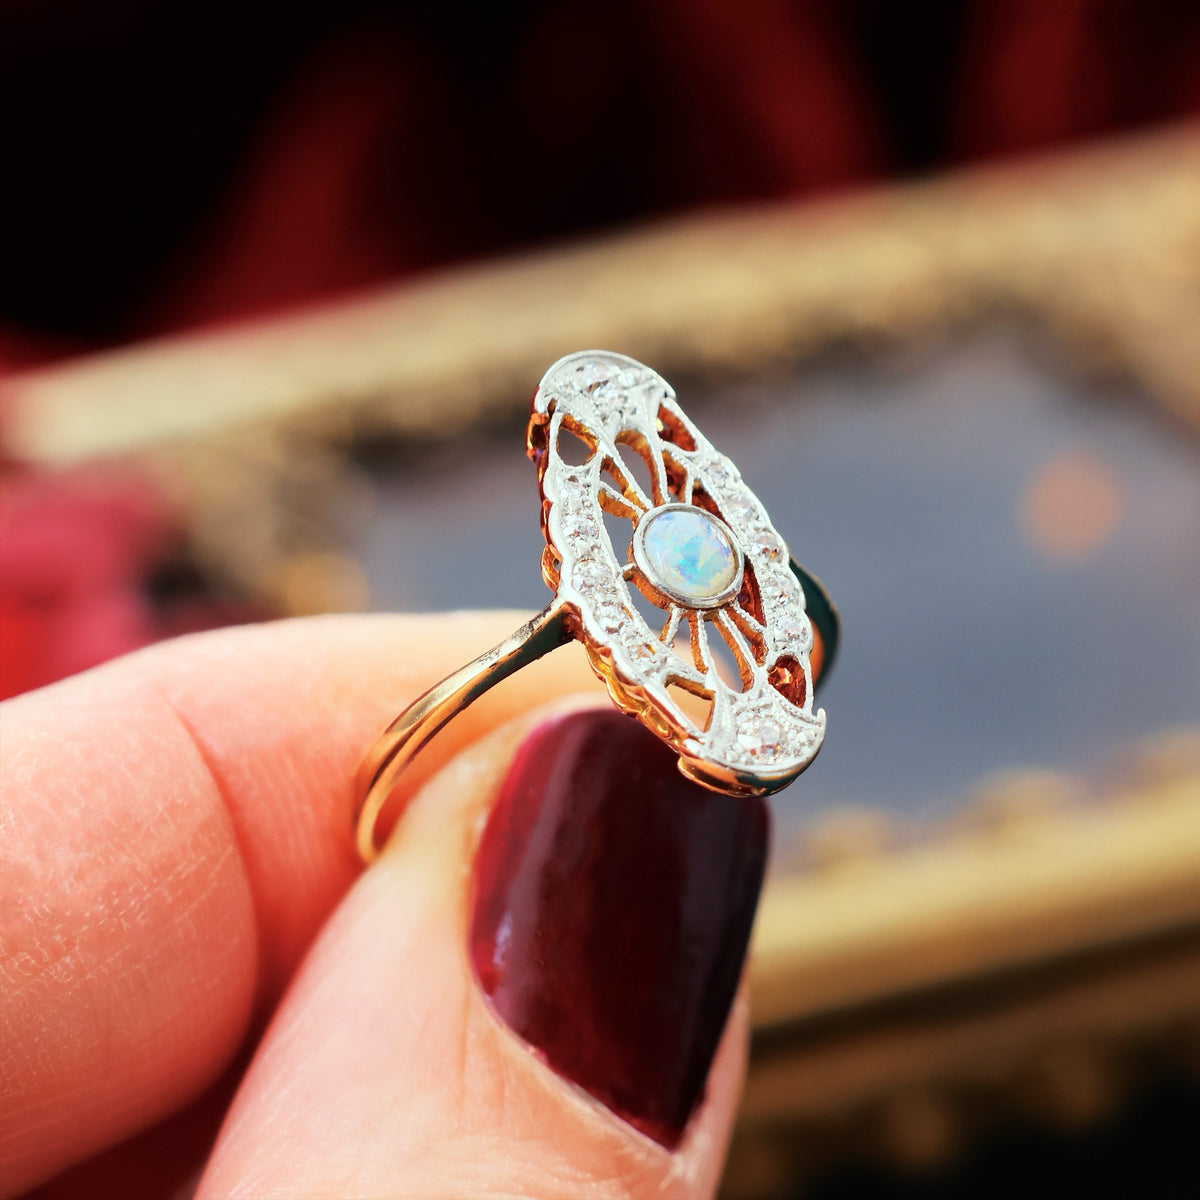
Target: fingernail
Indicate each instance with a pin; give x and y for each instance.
(612, 908)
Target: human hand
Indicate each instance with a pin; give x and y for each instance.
(180, 895)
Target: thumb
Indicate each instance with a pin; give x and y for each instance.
(529, 994)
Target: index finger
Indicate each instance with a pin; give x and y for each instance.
(174, 828)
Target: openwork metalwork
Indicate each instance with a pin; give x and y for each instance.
(690, 609)
(609, 437)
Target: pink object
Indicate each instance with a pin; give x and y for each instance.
(75, 550)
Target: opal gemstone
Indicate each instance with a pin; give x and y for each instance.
(689, 555)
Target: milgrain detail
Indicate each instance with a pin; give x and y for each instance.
(641, 456)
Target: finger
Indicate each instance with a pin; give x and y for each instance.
(525, 995)
(175, 827)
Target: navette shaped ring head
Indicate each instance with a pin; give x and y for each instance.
(609, 437)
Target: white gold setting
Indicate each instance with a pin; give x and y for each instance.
(762, 729)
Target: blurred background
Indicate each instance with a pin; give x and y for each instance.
(277, 281)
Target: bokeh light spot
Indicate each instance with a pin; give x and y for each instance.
(1071, 506)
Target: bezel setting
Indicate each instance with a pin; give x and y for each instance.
(653, 581)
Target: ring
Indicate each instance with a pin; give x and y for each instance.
(700, 624)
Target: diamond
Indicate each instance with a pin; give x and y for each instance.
(764, 544)
(643, 653)
(582, 537)
(761, 739)
(619, 411)
(689, 555)
(610, 616)
(588, 574)
(743, 508)
(779, 594)
(592, 374)
(794, 633)
(721, 471)
(571, 495)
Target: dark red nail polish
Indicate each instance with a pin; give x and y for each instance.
(613, 906)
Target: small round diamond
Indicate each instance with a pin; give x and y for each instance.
(779, 595)
(742, 508)
(592, 375)
(764, 544)
(619, 410)
(587, 574)
(761, 739)
(689, 554)
(794, 633)
(571, 495)
(610, 616)
(721, 472)
(643, 653)
(581, 537)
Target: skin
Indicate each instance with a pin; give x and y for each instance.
(187, 941)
